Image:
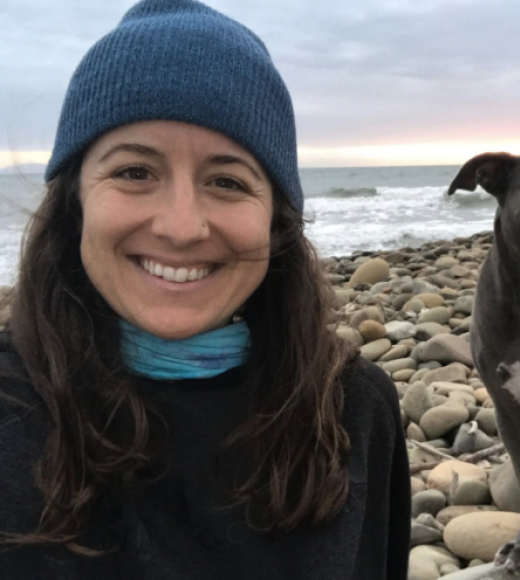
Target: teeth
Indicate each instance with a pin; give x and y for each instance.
(174, 274)
(181, 275)
(168, 274)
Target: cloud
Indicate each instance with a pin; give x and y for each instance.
(371, 73)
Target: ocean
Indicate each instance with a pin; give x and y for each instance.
(347, 208)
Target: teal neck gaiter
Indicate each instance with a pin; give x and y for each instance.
(201, 356)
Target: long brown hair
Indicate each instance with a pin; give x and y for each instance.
(106, 436)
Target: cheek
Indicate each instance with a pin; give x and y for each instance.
(99, 235)
(249, 232)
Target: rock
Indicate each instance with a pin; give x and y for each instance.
(414, 304)
(460, 326)
(422, 534)
(481, 395)
(461, 397)
(397, 351)
(437, 421)
(460, 271)
(399, 364)
(446, 262)
(453, 373)
(418, 456)
(454, 511)
(375, 313)
(439, 400)
(442, 281)
(373, 350)
(476, 562)
(381, 287)
(429, 501)
(356, 318)
(401, 300)
(427, 330)
(446, 569)
(416, 402)
(449, 293)
(343, 295)
(480, 535)
(430, 300)
(467, 284)
(403, 375)
(441, 477)
(421, 569)
(479, 571)
(371, 330)
(464, 304)
(504, 487)
(419, 374)
(398, 330)
(430, 365)
(439, 314)
(414, 432)
(445, 348)
(335, 278)
(350, 334)
(417, 485)
(487, 421)
(470, 438)
(445, 388)
(370, 272)
(426, 561)
(422, 287)
(471, 492)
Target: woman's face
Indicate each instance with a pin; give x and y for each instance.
(176, 225)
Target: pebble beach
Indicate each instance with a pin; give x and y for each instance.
(410, 312)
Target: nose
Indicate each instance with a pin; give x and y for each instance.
(181, 216)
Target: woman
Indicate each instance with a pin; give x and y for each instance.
(175, 403)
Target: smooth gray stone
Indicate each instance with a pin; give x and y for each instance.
(484, 572)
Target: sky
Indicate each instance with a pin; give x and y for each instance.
(373, 82)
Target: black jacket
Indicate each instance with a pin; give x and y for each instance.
(172, 532)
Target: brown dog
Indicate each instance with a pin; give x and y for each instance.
(495, 332)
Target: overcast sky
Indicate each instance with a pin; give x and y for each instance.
(373, 81)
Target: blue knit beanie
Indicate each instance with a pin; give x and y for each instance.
(181, 60)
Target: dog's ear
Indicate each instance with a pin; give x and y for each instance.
(492, 171)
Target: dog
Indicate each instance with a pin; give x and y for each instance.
(495, 331)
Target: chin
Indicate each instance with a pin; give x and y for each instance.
(177, 331)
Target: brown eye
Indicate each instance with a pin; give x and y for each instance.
(135, 174)
(227, 183)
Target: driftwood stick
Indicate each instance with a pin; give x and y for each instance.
(431, 450)
(482, 454)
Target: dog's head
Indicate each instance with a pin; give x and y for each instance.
(496, 173)
(499, 175)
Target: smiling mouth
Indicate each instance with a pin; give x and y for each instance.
(180, 275)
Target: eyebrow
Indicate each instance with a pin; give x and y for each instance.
(151, 152)
(232, 160)
(133, 148)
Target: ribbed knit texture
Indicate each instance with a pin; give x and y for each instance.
(202, 356)
(182, 60)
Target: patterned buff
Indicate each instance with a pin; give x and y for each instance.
(201, 356)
